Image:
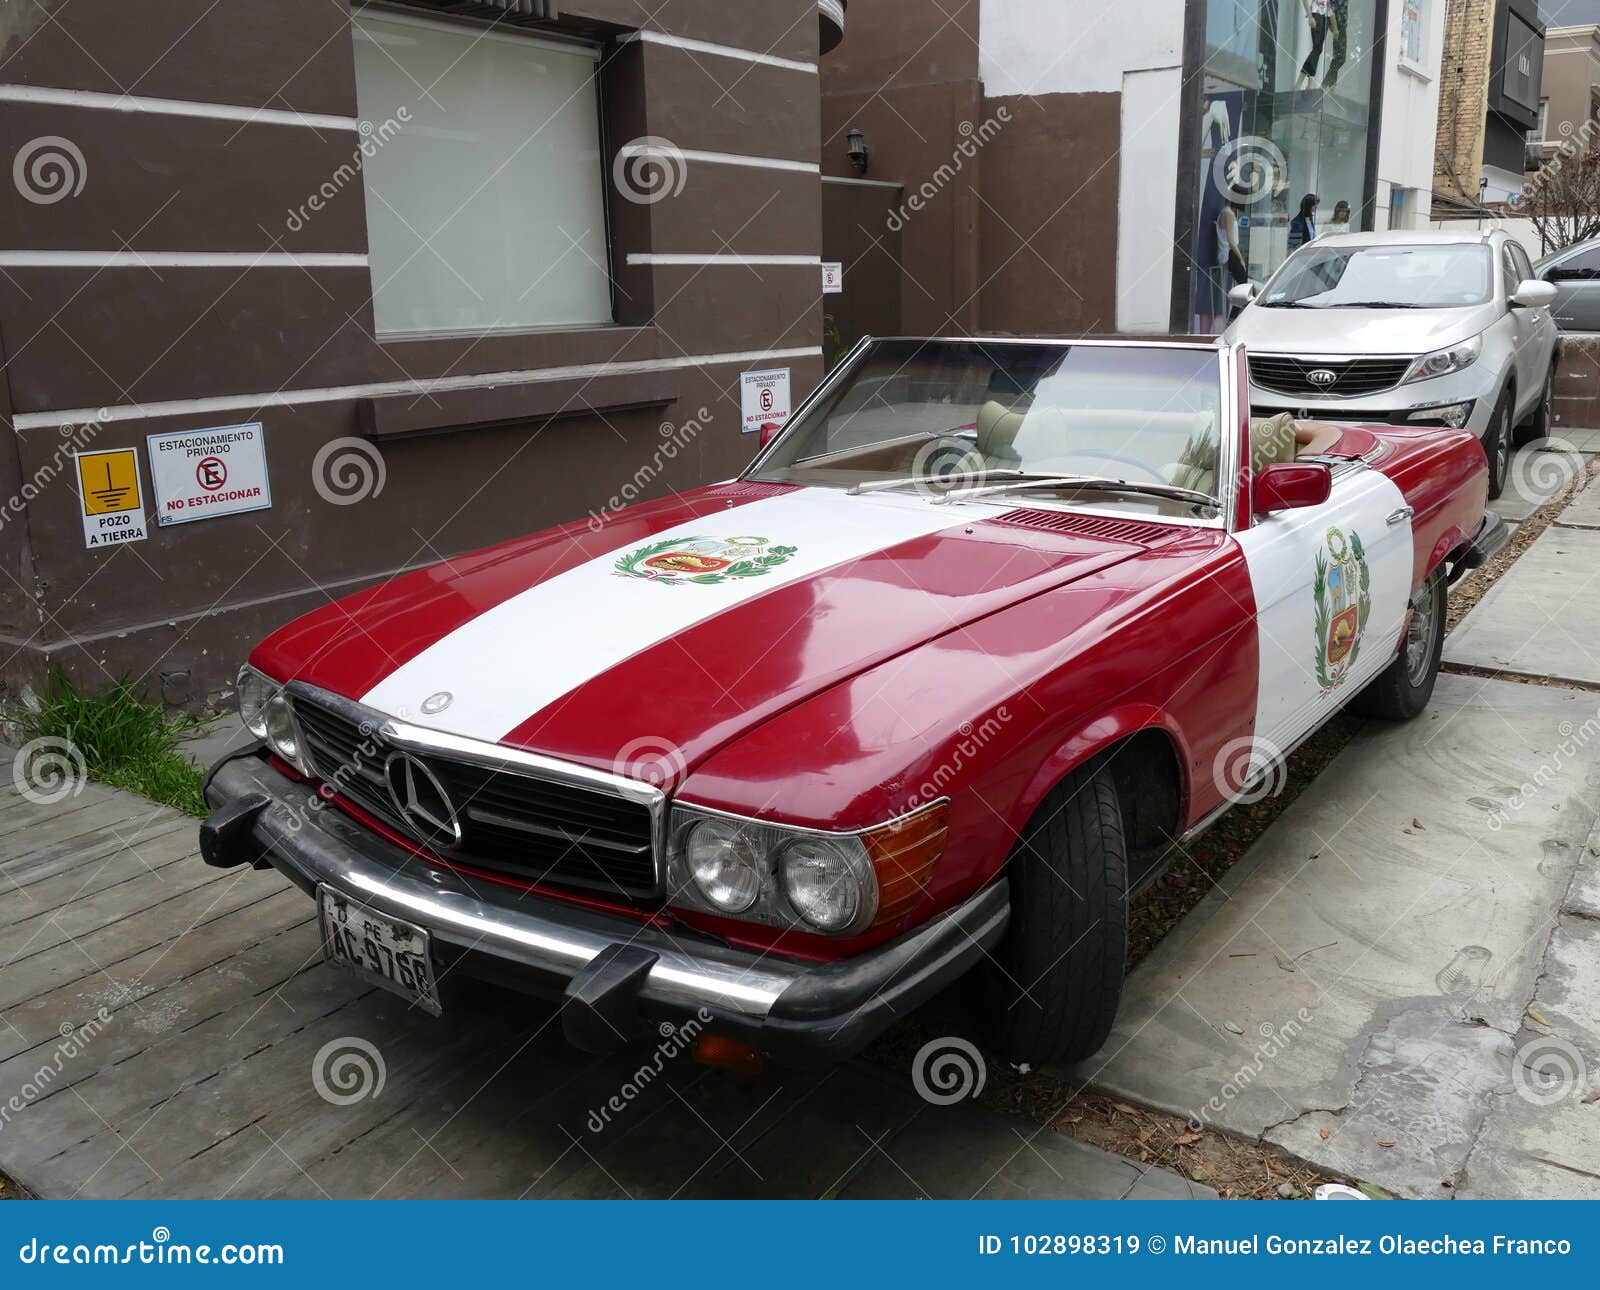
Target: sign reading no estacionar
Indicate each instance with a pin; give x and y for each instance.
(199, 474)
(763, 398)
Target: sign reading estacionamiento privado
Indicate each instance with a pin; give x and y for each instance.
(199, 474)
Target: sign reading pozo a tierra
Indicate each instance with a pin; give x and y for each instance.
(198, 474)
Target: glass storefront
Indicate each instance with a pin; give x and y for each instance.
(1285, 104)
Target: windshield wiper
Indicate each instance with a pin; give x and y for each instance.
(1372, 304)
(884, 485)
(1286, 304)
(1082, 481)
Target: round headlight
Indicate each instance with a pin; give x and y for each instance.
(821, 883)
(723, 865)
(253, 691)
(281, 731)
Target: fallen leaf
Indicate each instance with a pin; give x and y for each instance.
(1591, 1097)
(1234, 1026)
(1325, 1133)
(1286, 963)
(1184, 1139)
(1537, 1016)
(1405, 830)
(1416, 824)
(1125, 1108)
(1373, 1192)
(1384, 1142)
(1199, 1175)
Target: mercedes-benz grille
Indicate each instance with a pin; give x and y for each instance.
(520, 825)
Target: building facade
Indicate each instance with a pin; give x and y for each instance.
(294, 296)
(1489, 101)
(1121, 169)
(1569, 100)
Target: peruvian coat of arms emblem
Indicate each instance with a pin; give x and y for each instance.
(1343, 590)
(704, 560)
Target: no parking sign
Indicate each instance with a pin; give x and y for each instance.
(199, 474)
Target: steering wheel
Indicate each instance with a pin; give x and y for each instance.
(1100, 454)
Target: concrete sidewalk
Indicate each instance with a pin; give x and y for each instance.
(170, 1030)
(1363, 989)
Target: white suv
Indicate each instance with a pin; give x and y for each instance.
(1406, 327)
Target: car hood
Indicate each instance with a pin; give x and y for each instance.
(644, 643)
(1319, 332)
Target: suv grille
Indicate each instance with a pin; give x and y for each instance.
(1353, 378)
(537, 830)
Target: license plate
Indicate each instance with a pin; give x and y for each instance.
(386, 951)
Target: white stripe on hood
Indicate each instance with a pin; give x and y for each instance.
(525, 653)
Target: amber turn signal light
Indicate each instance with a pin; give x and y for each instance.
(728, 1055)
(904, 853)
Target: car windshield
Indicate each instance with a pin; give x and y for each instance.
(947, 416)
(1383, 277)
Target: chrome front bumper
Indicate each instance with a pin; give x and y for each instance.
(607, 969)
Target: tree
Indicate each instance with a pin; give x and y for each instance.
(1562, 197)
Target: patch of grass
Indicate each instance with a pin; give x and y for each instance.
(124, 740)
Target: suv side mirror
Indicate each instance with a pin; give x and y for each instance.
(1531, 293)
(1288, 486)
(1242, 294)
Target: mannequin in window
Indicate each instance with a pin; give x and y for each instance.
(1303, 227)
(1317, 14)
(1339, 29)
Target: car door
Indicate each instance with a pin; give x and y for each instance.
(1576, 278)
(1332, 587)
(1528, 357)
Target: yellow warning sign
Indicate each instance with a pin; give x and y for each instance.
(108, 486)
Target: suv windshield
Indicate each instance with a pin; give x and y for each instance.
(1383, 277)
(948, 415)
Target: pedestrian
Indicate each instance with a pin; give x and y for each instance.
(1303, 227)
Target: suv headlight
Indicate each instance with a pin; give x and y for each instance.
(1442, 362)
(803, 879)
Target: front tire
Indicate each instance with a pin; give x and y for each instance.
(1058, 974)
(1539, 420)
(1497, 444)
(1402, 690)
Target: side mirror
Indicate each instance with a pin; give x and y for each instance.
(1531, 293)
(1289, 486)
(1242, 294)
(769, 432)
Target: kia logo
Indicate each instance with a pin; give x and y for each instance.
(422, 801)
(1322, 377)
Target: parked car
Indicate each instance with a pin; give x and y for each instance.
(1409, 328)
(951, 671)
(1575, 274)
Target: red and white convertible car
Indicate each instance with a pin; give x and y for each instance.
(935, 685)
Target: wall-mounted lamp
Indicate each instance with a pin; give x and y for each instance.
(856, 145)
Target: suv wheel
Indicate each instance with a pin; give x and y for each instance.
(1539, 420)
(1497, 444)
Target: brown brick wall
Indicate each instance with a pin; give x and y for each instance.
(1463, 97)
